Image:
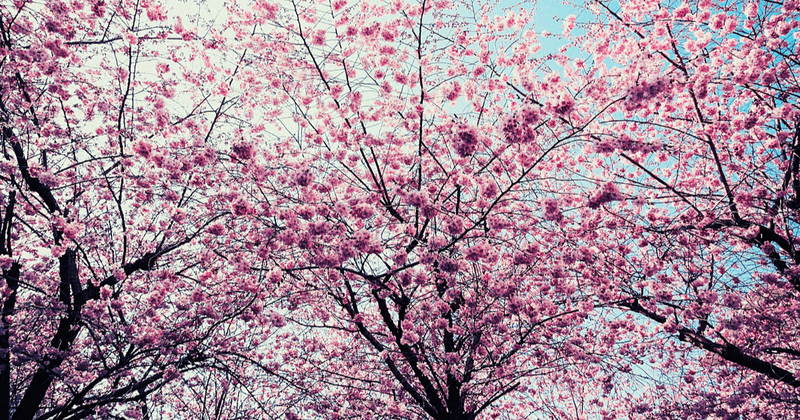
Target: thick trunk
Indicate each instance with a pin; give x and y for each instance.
(44, 376)
(11, 277)
(62, 341)
(451, 416)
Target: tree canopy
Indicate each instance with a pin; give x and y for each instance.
(399, 209)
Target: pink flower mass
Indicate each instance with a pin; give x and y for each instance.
(399, 209)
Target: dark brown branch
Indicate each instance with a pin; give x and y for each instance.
(43, 191)
(727, 351)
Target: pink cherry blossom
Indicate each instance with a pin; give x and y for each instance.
(399, 209)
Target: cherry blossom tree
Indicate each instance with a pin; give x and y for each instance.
(120, 291)
(398, 209)
(411, 213)
(693, 177)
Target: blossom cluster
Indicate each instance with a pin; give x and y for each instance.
(303, 177)
(644, 91)
(561, 104)
(625, 143)
(466, 140)
(243, 150)
(551, 211)
(607, 194)
(521, 128)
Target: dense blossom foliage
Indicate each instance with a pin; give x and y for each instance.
(116, 282)
(703, 151)
(404, 228)
(399, 209)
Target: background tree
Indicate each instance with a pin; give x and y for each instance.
(703, 149)
(117, 277)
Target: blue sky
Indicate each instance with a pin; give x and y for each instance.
(549, 14)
